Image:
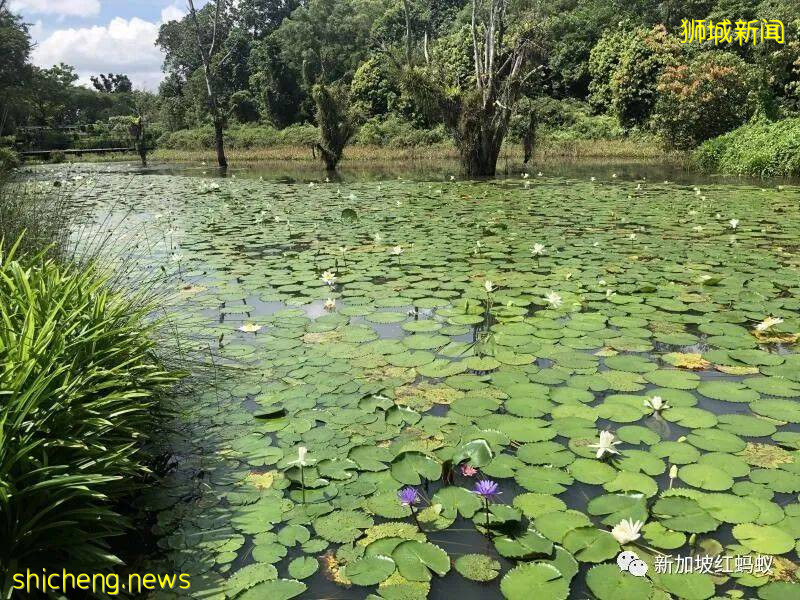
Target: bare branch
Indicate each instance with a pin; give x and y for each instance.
(216, 23)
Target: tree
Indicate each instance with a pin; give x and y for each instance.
(711, 95)
(634, 82)
(206, 51)
(603, 62)
(275, 85)
(336, 122)
(15, 72)
(112, 83)
(477, 114)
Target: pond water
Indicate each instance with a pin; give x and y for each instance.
(500, 324)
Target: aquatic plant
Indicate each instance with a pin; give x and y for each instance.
(80, 383)
(396, 388)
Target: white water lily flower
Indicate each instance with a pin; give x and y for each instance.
(537, 249)
(397, 250)
(591, 178)
(656, 403)
(614, 175)
(554, 299)
(329, 278)
(526, 175)
(698, 228)
(452, 177)
(606, 444)
(488, 285)
(638, 186)
(673, 471)
(250, 328)
(539, 174)
(632, 236)
(302, 452)
(377, 237)
(734, 223)
(768, 323)
(627, 531)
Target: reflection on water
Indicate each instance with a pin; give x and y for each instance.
(653, 170)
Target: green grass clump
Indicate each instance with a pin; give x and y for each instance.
(9, 160)
(759, 149)
(79, 386)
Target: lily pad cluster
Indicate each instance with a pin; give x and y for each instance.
(431, 335)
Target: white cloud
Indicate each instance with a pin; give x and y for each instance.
(172, 13)
(63, 8)
(122, 46)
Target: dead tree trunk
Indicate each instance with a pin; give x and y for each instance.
(205, 55)
(486, 112)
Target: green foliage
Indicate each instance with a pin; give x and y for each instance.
(243, 107)
(760, 149)
(80, 384)
(9, 160)
(336, 121)
(375, 90)
(635, 79)
(603, 62)
(240, 137)
(709, 96)
(393, 132)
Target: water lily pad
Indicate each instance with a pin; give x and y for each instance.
(477, 567)
(766, 539)
(416, 560)
(535, 580)
(370, 570)
(607, 582)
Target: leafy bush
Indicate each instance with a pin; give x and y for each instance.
(240, 138)
(9, 160)
(243, 107)
(603, 61)
(79, 387)
(375, 91)
(566, 119)
(634, 82)
(714, 93)
(394, 132)
(760, 149)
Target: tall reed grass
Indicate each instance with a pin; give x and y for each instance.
(80, 383)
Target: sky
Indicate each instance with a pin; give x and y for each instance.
(101, 36)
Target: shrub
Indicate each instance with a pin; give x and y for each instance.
(759, 149)
(79, 384)
(9, 160)
(603, 61)
(243, 107)
(634, 82)
(58, 157)
(394, 132)
(714, 93)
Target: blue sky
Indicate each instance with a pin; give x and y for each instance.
(101, 36)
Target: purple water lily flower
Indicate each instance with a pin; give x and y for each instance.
(487, 489)
(408, 496)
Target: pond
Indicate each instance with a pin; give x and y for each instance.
(433, 334)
